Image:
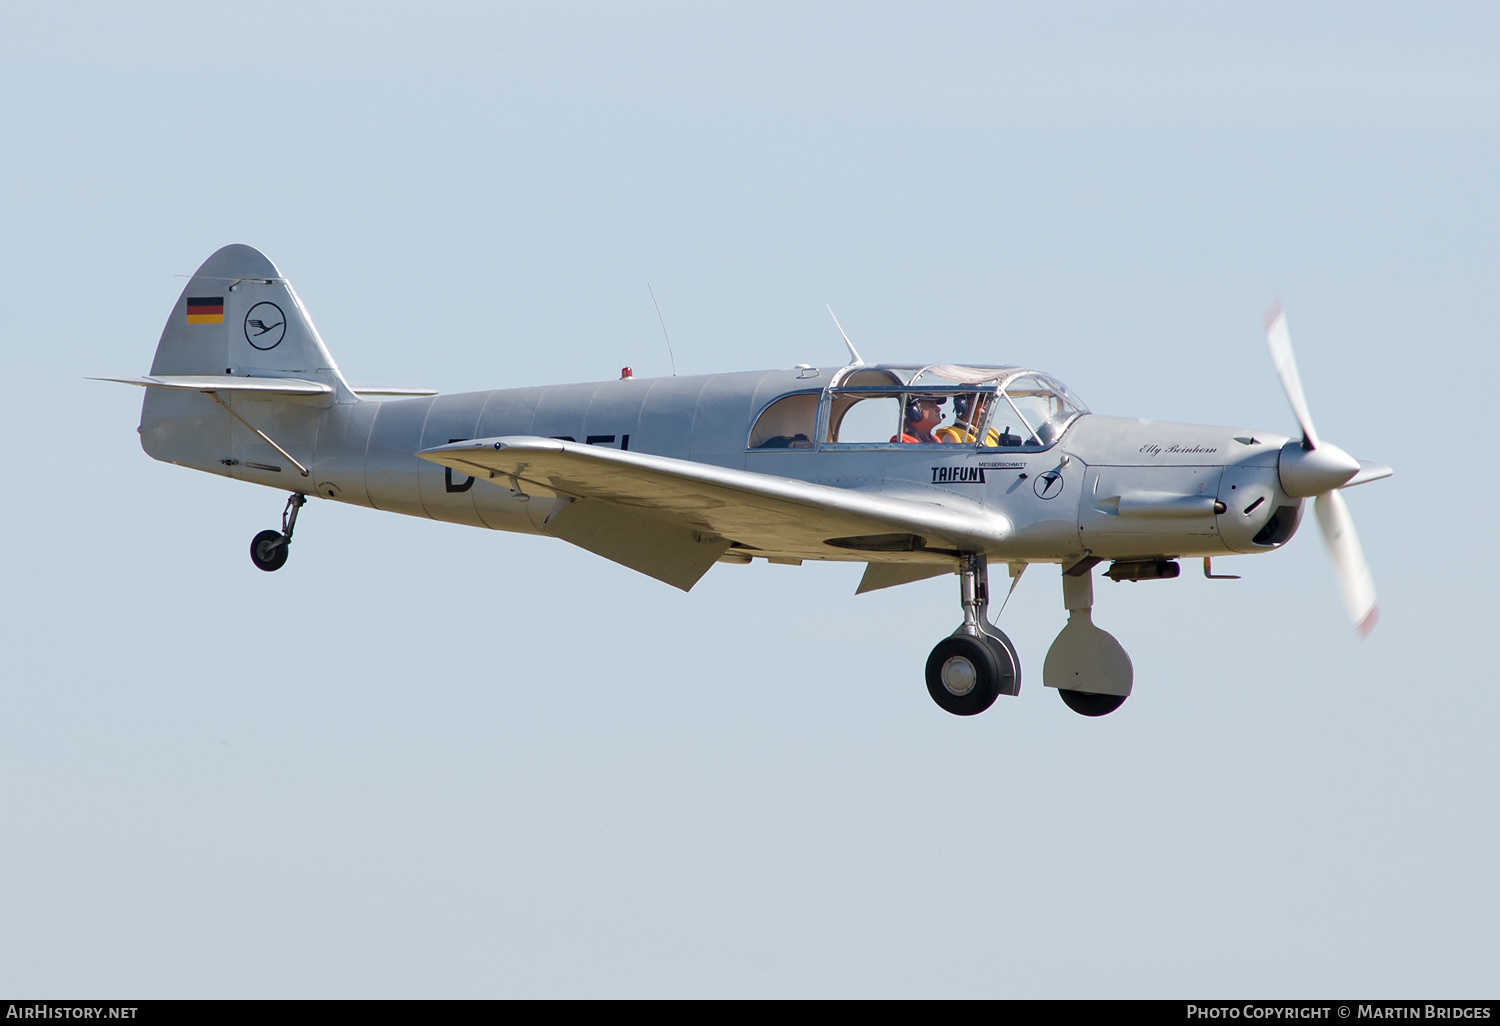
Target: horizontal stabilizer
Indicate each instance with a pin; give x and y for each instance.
(228, 383)
(363, 390)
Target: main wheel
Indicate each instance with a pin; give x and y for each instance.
(266, 554)
(963, 675)
(1086, 703)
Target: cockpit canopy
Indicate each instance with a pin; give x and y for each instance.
(892, 405)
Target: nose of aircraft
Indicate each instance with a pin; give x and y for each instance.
(1307, 472)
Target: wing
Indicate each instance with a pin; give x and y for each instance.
(672, 519)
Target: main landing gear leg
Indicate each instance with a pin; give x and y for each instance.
(1086, 665)
(968, 670)
(268, 550)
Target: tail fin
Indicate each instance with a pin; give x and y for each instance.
(238, 316)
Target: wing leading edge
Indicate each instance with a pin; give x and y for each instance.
(672, 519)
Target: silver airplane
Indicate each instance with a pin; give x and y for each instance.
(914, 470)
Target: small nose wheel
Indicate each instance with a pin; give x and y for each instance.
(269, 549)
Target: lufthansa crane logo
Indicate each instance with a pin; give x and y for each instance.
(1048, 485)
(265, 326)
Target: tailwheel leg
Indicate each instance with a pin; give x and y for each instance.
(968, 670)
(269, 549)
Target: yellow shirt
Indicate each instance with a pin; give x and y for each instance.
(954, 433)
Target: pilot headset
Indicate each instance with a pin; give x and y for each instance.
(914, 405)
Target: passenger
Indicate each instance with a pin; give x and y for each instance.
(921, 416)
(968, 414)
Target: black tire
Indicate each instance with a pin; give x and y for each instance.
(264, 556)
(1086, 703)
(973, 674)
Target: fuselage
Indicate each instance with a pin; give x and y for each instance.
(1114, 488)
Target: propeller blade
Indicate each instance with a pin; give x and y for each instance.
(1368, 472)
(1280, 342)
(1350, 571)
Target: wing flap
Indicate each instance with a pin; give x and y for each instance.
(671, 553)
(893, 575)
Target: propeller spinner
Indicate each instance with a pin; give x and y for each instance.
(1313, 467)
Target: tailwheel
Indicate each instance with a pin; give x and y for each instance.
(965, 674)
(1086, 703)
(268, 551)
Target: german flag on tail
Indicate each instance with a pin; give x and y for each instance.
(205, 310)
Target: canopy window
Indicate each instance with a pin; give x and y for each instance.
(788, 423)
(1031, 411)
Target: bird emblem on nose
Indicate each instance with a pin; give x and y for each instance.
(1048, 485)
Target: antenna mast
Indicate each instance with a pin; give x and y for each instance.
(663, 328)
(859, 361)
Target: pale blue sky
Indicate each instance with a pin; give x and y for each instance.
(425, 760)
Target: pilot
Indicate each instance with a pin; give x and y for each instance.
(968, 414)
(921, 416)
